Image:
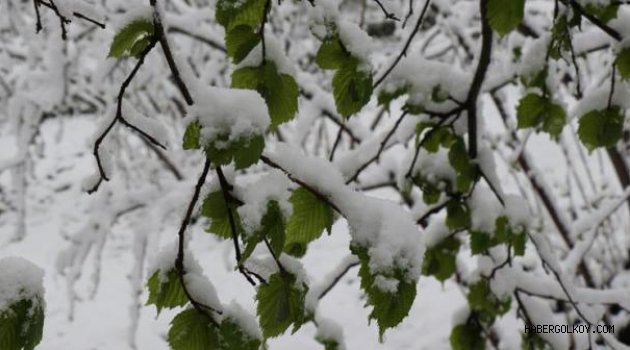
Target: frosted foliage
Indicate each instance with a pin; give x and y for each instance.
(237, 113)
(20, 280)
(237, 314)
(273, 186)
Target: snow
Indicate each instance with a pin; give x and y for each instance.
(388, 232)
(355, 40)
(235, 112)
(328, 329)
(485, 208)
(272, 186)
(273, 52)
(20, 279)
(424, 76)
(246, 321)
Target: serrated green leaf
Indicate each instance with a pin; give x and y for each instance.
(352, 87)
(21, 325)
(389, 309)
(601, 128)
(439, 260)
(124, 41)
(232, 337)
(192, 330)
(191, 136)
(215, 208)
(310, 217)
(467, 336)
(534, 110)
(247, 151)
(230, 13)
(240, 41)
(480, 242)
(623, 63)
(485, 303)
(505, 16)
(457, 215)
(273, 226)
(166, 291)
(279, 90)
(280, 304)
(332, 54)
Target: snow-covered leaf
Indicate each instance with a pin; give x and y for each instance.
(601, 128)
(352, 88)
(439, 260)
(21, 325)
(310, 217)
(192, 330)
(505, 16)
(240, 41)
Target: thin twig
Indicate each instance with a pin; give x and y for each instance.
(403, 52)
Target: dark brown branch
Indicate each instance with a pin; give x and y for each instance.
(403, 52)
(226, 189)
(62, 19)
(480, 75)
(336, 144)
(336, 280)
(596, 21)
(38, 25)
(119, 117)
(388, 15)
(181, 234)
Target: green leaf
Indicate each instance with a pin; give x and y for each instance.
(215, 208)
(233, 337)
(166, 291)
(310, 217)
(280, 304)
(240, 41)
(247, 151)
(430, 193)
(504, 16)
(192, 330)
(386, 97)
(191, 136)
(273, 226)
(457, 215)
(623, 63)
(439, 261)
(21, 325)
(534, 110)
(279, 90)
(467, 337)
(465, 170)
(560, 38)
(485, 303)
(127, 37)
(389, 309)
(352, 87)
(480, 242)
(332, 54)
(230, 13)
(601, 128)
(603, 12)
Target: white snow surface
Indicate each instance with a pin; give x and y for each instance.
(20, 279)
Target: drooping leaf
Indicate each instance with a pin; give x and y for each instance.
(623, 63)
(389, 308)
(273, 226)
(352, 87)
(603, 12)
(191, 136)
(215, 208)
(601, 128)
(192, 330)
(240, 41)
(131, 34)
(467, 336)
(230, 13)
(310, 217)
(331, 54)
(505, 16)
(233, 337)
(439, 260)
(166, 291)
(457, 215)
(280, 304)
(279, 90)
(535, 110)
(247, 151)
(21, 325)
